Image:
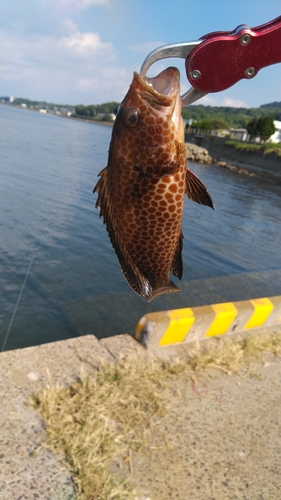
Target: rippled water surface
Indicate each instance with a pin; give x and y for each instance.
(59, 276)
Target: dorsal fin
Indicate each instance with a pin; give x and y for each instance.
(196, 190)
(137, 281)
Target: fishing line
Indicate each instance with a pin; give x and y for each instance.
(12, 267)
(17, 305)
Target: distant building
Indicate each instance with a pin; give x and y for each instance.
(64, 111)
(240, 134)
(11, 99)
(43, 110)
(276, 137)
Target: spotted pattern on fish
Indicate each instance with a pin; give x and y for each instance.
(141, 191)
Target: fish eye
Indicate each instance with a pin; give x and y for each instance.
(131, 118)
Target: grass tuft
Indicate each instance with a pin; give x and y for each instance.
(267, 148)
(98, 419)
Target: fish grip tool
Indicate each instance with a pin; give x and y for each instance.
(220, 59)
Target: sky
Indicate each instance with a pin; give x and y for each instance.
(85, 51)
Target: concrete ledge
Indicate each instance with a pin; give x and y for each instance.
(193, 324)
(29, 470)
(122, 346)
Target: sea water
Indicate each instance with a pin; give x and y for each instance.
(60, 277)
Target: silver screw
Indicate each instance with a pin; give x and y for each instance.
(195, 74)
(245, 39)
(250, 72)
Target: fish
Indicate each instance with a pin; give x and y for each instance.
(141, 191)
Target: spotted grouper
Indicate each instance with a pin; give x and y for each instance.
(141, 191)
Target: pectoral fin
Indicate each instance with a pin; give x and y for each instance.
(196, 190)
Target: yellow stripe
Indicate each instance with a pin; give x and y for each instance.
(263, 308)
(139, 328)
(225, 315)
(181, 320)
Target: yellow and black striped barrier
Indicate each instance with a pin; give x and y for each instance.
(197, 323)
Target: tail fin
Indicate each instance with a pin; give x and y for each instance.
(159, 290)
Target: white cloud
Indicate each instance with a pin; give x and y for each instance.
(83, 4)
(75, 67)
(208, 100)
(48, 67)
(85, 45)
(145, 48)
(68, 26)
(233, 103)
(217, 100)
(52, 49)
(112, 79)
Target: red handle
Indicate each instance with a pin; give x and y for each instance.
(225, 57)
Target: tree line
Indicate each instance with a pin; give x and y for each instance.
(232, 117)
(204, 117)
(201, 117)
(262, 127)
(97, 111)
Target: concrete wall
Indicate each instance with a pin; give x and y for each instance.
(180, 326)
(267, 166)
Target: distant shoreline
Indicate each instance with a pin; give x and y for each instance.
(95, 122)
(255, 164)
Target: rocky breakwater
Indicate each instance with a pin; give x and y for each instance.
(197, 154)
(201, 155)
(261, 164)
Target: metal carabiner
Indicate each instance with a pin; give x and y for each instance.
(220, 59)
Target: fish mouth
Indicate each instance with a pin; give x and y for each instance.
(165, 85)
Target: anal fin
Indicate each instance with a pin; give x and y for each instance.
(177, 265)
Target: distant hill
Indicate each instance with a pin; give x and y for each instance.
(233, 117)
(272, 105)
